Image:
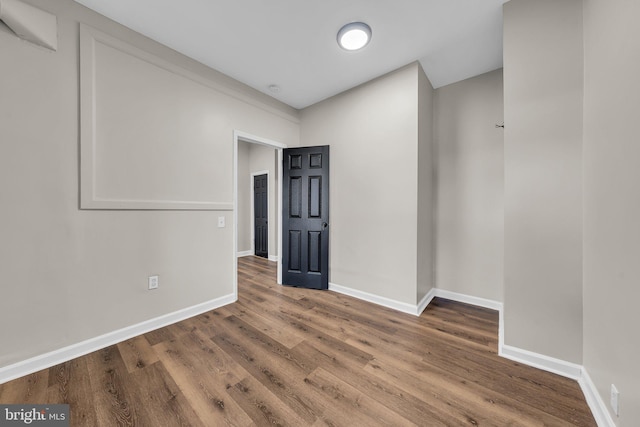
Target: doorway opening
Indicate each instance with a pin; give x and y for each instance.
(244, 224)
(260, 213)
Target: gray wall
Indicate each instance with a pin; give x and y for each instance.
(543, 66)
(612, 201)
(373, 134)
(470, 187)
(66, 274)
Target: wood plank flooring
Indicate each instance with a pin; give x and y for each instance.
(294, 357)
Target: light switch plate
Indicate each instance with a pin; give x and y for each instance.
(220, 222)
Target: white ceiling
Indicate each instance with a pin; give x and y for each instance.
(292, 43)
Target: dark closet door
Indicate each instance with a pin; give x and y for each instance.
(261, 215)
(305, 217)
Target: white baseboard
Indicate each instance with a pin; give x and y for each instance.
(376, 299)
(425, 301)
(566, 369)
(480, 302)
(274, 258)
(596, 404)
(540, 361)
(523, 356)
(468, 299)
(47, 360)
(417, 309)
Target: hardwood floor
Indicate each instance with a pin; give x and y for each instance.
(288, 356)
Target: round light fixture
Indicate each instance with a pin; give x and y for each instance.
(354, 36)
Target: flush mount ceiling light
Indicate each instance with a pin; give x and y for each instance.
(354, 36)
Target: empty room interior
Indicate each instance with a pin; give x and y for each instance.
(476, 253)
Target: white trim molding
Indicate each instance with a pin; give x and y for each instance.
(47, 360)
(279, 214)
(383, 301)
(596, 404)
(468, 299)
(480, 302)
(540, 361)
(417, 309)
(566, 369)
(425, 301)
(90, 198)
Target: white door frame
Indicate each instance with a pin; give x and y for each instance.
(247, 137)
(252, 217)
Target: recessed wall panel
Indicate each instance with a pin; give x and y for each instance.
(147, 134)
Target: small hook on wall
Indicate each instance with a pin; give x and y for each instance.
(500, 126)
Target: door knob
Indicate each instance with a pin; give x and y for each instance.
(324, 225)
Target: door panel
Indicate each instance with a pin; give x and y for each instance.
(315, 251)
(295, 255)
(315, 192)
(261, 215)
(305, 222)
(295, 197)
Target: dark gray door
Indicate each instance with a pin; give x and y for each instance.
(305, 217)
(261, 215)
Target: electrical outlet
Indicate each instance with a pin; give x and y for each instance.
(153, 282)
(220, 222)
(615, 396)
